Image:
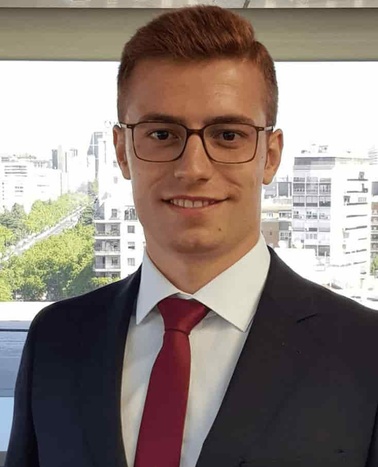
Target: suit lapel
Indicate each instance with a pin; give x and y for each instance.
(274, 359)
(102, 356)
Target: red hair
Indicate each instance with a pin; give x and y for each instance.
(199, 33)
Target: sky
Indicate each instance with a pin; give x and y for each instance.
(45, 104)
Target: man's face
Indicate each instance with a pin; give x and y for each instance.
(195, 94)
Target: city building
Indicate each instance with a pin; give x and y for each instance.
(100, 148)
(276, 214)
(72, 169)
(331, 210)
(119, 237)
(24, 181)
(373, 156)
(281, 187)
(374, 227)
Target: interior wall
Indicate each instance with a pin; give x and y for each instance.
(98, 34)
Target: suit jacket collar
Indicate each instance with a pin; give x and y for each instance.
(273, 360)
(104, 339)
(275, 357)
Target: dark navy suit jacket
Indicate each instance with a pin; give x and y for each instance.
(304, 392)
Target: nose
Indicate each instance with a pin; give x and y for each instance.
(194, 164)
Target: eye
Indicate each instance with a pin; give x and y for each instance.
(161, 135)
(228, 135)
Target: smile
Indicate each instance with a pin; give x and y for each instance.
(190, 204)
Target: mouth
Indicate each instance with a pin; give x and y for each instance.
(192, 203)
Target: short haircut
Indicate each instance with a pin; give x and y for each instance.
(194, 34)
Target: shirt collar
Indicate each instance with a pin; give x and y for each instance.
(234, 294)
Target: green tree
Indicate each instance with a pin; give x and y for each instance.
(6, 238)
(86, 217)
(45, 214)
(93, 189)
(55, 267)
(97, 282)
(14, 220)
(5, 290)
(374, 266)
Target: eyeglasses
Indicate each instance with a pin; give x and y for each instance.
(227, 143)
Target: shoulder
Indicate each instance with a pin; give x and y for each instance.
(338, 315)
(92, 307)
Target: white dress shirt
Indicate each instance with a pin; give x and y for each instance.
(216, 343)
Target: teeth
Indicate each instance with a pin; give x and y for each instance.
(187, 203)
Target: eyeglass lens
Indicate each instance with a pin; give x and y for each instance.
(224, 142)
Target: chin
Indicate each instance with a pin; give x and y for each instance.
(195, 245)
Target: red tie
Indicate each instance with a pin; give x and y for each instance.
(162, 426)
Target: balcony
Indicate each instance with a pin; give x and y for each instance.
(111, 233)
(102, 268)
(107, 251)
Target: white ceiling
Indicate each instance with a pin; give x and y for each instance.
(180, 3)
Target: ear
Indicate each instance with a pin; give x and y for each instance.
(273, 156)
(120, 150)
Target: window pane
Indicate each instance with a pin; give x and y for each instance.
(63, 166)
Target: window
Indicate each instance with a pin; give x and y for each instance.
(115, 261)
(100, 262)
(130, 214)
(312, 188)
(324, 201)
(311, 200)
(311, 214)
(299, 188)
(325, 188)
(114, 230)
(298, 200)
(131, 245)
(72, 126)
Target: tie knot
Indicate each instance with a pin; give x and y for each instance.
(181, 315)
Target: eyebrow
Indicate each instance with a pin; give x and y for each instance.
(227, 118)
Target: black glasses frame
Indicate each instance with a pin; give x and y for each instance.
(191, 131)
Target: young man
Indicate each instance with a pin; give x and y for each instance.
(248, 364)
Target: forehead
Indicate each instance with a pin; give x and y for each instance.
(195, 90)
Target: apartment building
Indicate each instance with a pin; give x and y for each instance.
(119, 236)
(26, 181)
(331, 209)
(119, 239)
(374, 227)
(276, 225)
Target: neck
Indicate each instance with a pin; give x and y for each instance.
(190, 272)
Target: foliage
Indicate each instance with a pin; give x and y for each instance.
(374, 266)
(45, 214)
(101, 281)
(57, 267)
(93, 188)
(51, 269)
(86, 217)
(5, 290)
(16, 224)
(6, 238)
(14, 220)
